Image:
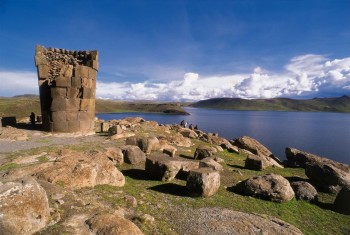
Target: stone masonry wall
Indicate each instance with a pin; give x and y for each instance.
(67, 86)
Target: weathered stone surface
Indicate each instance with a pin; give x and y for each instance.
(255, 147)
(327, 176)
(66, 84)
(170, 150)
(114, 130)
(108, 224)
(188, 133)
(115, 155)
(270, 187)
(204, 152)
(304, 191)
(165, 168)
(148, 144)
(211, 163)
(133, 154)
(179, 140)
(24, 207)
(258, 162)
(220, 221)
(341, 202)
(78, 170)
(203, 182)
(104, 127)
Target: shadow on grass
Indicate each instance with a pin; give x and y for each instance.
(136, 174)
(236, 166)
(170, 188)
(185, 156)
(296, 179)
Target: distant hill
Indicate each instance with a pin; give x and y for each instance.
(23, 105)
(339, 104)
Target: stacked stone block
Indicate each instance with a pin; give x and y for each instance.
(67, 86)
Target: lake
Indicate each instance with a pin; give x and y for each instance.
(321, 133)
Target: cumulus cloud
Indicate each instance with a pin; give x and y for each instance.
(304, 76)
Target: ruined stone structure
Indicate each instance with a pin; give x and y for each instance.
(67, 85)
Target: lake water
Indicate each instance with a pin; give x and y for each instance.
(321, 133)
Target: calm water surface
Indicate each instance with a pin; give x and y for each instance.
(324, 134)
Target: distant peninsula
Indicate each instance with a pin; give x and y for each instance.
(338, 104)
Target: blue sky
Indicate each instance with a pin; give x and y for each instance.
(186, 50)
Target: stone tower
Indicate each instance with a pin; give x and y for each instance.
(67, 86)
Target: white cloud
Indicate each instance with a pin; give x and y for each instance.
(18, 83)
(304, 76)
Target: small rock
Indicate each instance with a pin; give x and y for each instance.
(130, 201)
(148, 218)
(61, 202)
(204, 152)
(304, 191)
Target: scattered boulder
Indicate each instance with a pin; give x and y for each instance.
(148, 144)
(179, 140)
(189, 133)
(115, 155)
(326, 176)
(76, 170)
(133, 154)
(270, 187)
(258, 162)
(304, 191)
(255, 147)
(203, 182)
(224, 221)
(204, 152)
(165, 168)
(24, 207)
(170, 150)
(211, 163)
(112, 224)
(114, 130)
(341, 202)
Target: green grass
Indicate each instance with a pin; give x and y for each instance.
(8, 166)
(43, 159)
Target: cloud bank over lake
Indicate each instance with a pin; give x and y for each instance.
(304, 76)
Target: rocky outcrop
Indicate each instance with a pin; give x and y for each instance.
(259, 162)
(114, 130)
(203, 182)
(255, 147)
(341, 202)
(165, 168)
(188, 133)
(326, 176)
(179, 140)
(270, 187)
(24, 207)
(219, 221)
(147, 145)
(204, 152)
(304, 191)
(133, 154)
(109, 224)
(78, 170)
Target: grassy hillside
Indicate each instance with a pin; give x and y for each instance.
(340, 104)
(22, 106)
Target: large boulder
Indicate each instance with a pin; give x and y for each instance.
(114, 130)
(221, 221)
(341, 202)
(148, 144)
(188, 133)
(133, 154)
(203, 182)
(76, 170)
(327, 176)
(110, 224)
(259, 162)
(270, 187)
(255, 147)
(24, 207)
(115, 155)
(304, 191)
(179, 140)
(211, 163)
(204, 152)
(162, 167)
